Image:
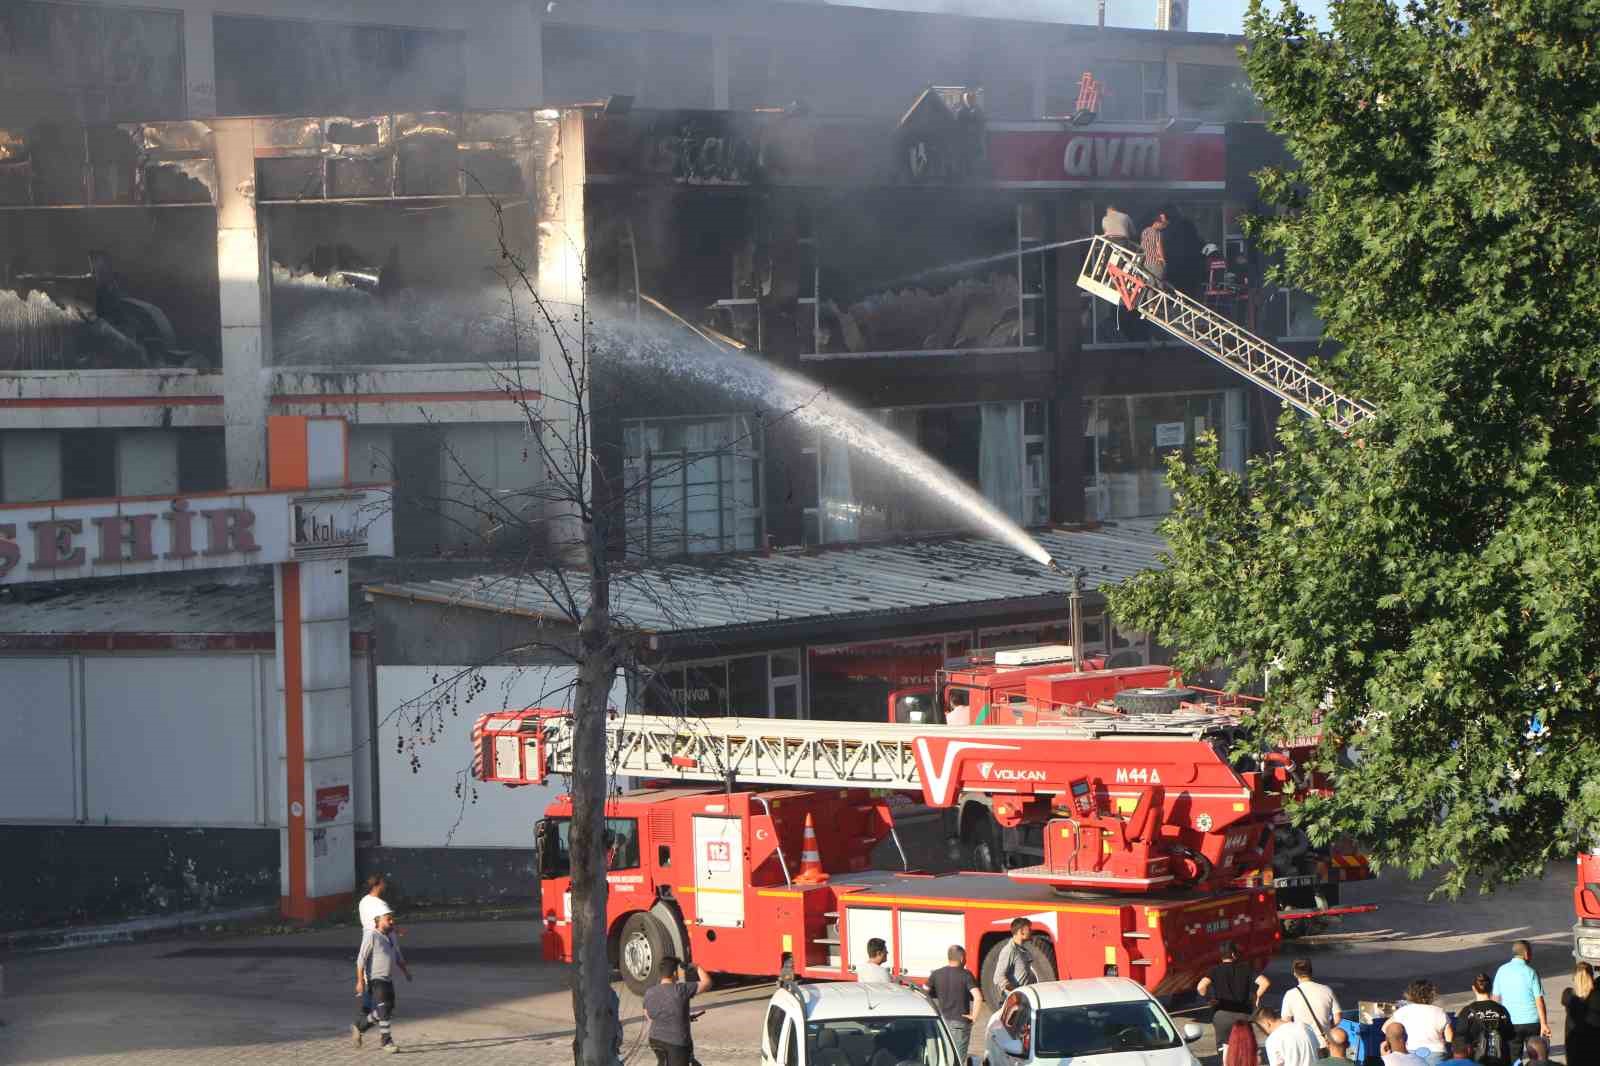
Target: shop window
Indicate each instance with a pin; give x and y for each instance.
(1002, 449)
(88, 464)
(920, 273)
(89, 63)
(1128, 440)
(694, 485)
(852, 682)
(677, 71)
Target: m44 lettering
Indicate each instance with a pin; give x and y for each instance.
(1138, 775)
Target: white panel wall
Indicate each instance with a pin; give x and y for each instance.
(421, 809)
(38, 739)
(173, 740)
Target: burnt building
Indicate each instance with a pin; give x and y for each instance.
(208, 217)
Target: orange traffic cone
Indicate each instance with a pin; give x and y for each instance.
(811, 871)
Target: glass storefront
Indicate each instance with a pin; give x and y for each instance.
(1127, 440)
(852, 682)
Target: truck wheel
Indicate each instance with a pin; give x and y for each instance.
(1043, 965)
(980, 843)
(1152, 700)
(640, 950)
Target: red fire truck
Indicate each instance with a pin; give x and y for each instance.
(1048, 685)
(1586, 909)
(1151, 841)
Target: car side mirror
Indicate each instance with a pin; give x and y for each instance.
(1010, 1045)
(1192, 1032)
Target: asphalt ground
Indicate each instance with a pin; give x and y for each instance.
(481, 995)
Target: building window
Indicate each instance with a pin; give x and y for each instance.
(1216, 93)
(271, 66)
(1291, 314)
(88, 464)
(852, 682)
(1130, 91)
(1002, 449)
(1192, 226)
(917, 273)
(89, 63)
(202, 460)
(734, 686)
(1101, 636)
(1127, 440)
(581, 64)
(694, 485)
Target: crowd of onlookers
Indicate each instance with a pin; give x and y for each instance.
(1506, 1024)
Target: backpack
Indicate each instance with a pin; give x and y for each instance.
(1490, 1046)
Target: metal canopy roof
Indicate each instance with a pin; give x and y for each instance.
(725, 593)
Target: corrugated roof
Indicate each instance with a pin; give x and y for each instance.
(225, 603)
(753, 591)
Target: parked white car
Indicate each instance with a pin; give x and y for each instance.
(1094, 1021)
(854, 1024)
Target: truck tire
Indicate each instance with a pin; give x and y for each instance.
(1044, 965)
(1152, 700)
(640, 949)
(980, 841)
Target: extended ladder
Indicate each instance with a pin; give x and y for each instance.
(528, 747)
(1110, 271)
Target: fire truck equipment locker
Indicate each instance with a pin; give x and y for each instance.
(861, 924)
(718, 871)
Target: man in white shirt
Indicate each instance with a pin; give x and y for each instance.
(372, 904)
(873, 971)
(1311, 1003)
(1288, 1043)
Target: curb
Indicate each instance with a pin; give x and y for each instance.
(125, 932)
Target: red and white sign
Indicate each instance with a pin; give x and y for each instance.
(1108, 158)
(146, 535)
(719, 856)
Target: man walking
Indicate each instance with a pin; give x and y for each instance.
(874, 971)
(367, 910)
(1311, 1003)
(375, 965)
(956, 993)
(667, 1007)
(1518, 989)
(1014, 966)
(1288, 1043)
(1236, 987)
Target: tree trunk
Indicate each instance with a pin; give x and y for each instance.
(597, 1038)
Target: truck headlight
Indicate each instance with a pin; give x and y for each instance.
(1589, 947)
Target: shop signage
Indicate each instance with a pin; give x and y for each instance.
(147, 535)
(1107, 158)
(1169, 434)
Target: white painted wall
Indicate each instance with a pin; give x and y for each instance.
(38, 740)
(420, 809)
(154, 740)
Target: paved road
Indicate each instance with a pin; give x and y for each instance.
(481, 996)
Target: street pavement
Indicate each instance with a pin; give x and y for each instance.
(481, 996)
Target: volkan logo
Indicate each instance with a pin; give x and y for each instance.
(984, 768)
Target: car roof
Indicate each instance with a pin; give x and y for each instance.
(829, 1000)
(1087, 991)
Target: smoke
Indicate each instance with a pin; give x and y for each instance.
(332, 320)
(36, 333)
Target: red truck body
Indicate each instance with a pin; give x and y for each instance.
(713, 876)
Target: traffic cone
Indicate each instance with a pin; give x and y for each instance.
(811, 872)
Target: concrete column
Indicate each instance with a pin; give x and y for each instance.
(199, 61)
(562, 359)
(311, 602)
(244, 273)
(30, 465)
(719, 71)
(147, 462)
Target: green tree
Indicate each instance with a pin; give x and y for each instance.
(1430, 587)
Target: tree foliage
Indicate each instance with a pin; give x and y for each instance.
(1429, 589)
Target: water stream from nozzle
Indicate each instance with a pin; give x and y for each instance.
(752, 378)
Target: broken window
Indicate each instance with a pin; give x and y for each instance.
(1216, 93)
(1001, 449)
(582, 64)
(923, 272)
(1130, 90)
(693, 484)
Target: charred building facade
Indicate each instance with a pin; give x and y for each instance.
(209, 216)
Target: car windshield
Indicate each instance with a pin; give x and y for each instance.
(878, 1042)
(1101, 1029)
